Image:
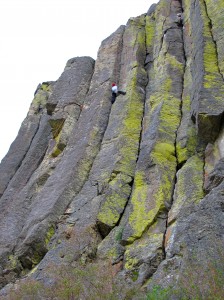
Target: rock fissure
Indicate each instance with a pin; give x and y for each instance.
(22, 158)
(127, 202)
(178, 166)
(109, 215)
(162, 38)
(71, 103)
(22, 161)
(144, 106)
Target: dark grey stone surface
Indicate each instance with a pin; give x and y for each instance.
(73, 169)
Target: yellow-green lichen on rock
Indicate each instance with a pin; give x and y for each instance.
(56, 126)
(36, 257)
(146, 249)
(184, 152)
(187, 15)
(13, 262)
(203, 83)
(59, 147)
(149, 201)
(134, 252)
(215, 11)
(131, 127)
(56, 129)
(163, 156)
(30, 259)
(40, 99)
(189, 186)
(160, 15)
(49, 235)
(150, 32)
(110, 247)
(212, 78)
(138, 36)
(139, 218)
(153, 186)
(186, 136)
(46, 86)
(115, 201)
(62, 126)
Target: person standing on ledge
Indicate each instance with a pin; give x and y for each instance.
(115, 92)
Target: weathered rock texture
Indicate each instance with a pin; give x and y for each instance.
(139, 183)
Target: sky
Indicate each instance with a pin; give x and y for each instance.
(38, 37)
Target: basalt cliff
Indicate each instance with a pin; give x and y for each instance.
(136, 188)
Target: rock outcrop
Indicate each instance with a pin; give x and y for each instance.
(138, 183)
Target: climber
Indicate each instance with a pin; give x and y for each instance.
(115, 92)
(179, 19)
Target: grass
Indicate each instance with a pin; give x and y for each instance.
(94, 281)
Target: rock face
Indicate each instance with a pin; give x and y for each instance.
(139, 182)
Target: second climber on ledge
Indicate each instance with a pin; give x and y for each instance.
(115, 92)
